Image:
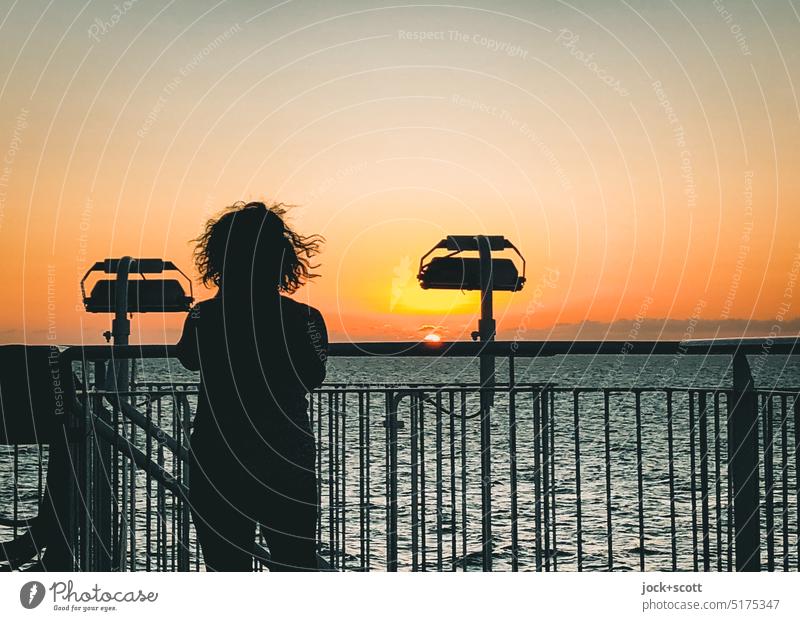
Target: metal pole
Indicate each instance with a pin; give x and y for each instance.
(121, 325)
(744, 467)
(486, 325)
(486, 329)
(120, 331)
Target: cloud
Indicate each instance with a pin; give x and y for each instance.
(428, 327)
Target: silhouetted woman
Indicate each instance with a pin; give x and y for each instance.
(252, 449)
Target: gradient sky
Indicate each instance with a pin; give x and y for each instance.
(642, 155)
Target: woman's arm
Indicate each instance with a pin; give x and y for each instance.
(308, 348)
(318, 335)
(187, 346)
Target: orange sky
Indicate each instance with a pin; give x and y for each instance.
(643, 157)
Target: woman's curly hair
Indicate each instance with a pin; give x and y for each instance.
(252, 239)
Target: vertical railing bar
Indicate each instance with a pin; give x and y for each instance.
(337, 500)
(453, 532)
(90, 526)
(545, 444)
(728, 413)
(692, 469)
(87, 453)
(197, 542)
(169, 504)
(439, 474)
(553, 522)
(39, 472)
(148, 485)
(100, 483)
(176, 471)
(331, 484)
(703, 423)
(769, 481)
(343, 497)
(318, 399)
(512, 448)
(671, 466)
(578, 501)
(15, 508)
(127, 527)
(161, 522)
(414, 484)
(796, 408)
(387, 472)
(718, 480)
(464, 478)
(185, 509)
(177, 501)
(116, 500)
(785, 484)
(177, 468)
(132, 475)
(367, 483)
(422, 485)
(607, 438)
(487, 545)
(537, 486)
(362, 553)
(392, 473)
(639, 477)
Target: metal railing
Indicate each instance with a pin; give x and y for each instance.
(427, 477)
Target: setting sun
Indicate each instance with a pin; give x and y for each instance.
(433, 338)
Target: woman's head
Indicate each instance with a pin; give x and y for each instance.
(250, 246)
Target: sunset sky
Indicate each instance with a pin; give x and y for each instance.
(642, 155)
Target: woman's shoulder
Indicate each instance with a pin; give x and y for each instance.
(310, 321)
(293, 307)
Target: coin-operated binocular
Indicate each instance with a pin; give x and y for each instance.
(483, 273)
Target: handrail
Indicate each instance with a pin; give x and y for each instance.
(747, 346)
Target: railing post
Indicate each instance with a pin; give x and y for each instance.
(486, 328)
(392, 404)
(100, 481)
(83, 474)
(185, 422)
(512, 454)
(743, 460)
(75, 482)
